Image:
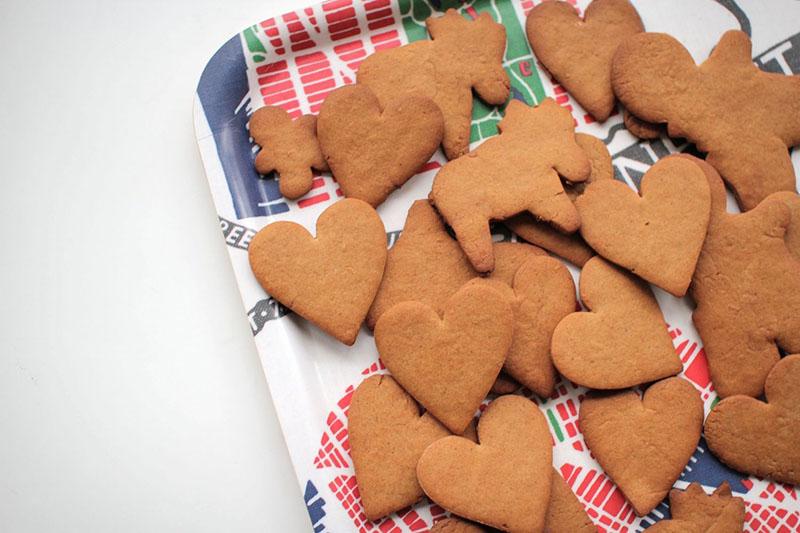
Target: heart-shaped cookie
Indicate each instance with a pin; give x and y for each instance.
(370, 151)
(329, 280)
(387, 436)
(565, 513)
(448, 364)
(643, 444)
(577, 52)
(693, 511)
(503, 482)
(657, 236)
(622, 341)
(761, 438)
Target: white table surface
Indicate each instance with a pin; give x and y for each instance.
(131, 395)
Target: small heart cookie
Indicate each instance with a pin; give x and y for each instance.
(657, 236)
(370, 151)
(577, 52)
(450, 363)
(503, 482)
(643, 444)
(329, 280)
(694, 510)
(622, 341)
(761, 438)
(387, 436)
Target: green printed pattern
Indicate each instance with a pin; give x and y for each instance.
(526, 85)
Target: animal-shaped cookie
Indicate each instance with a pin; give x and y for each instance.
(288, 147)
(503, 482)
(577, 52)
(448, 363)
(329, 280)
(747, 289)
(387, 436)
(541, 293)
(505, 176)
(761, 438)
(373, 150)
(694, 511)
(658, 235)
(746, 132)
(622, 341)
(571, 247)
(463, 55)
(643, 444)
(427, 265)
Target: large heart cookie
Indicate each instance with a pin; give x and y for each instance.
(370, 151)
(693, 511)
(643, 444)
(329, 280)
(622, 341)
(657, 236)
(577, 52)
(387, 436)
(761, 438)
(448, 364)
(503, 482)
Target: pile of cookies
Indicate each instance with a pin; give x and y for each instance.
(458, 320)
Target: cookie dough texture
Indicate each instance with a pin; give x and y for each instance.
(331, 279)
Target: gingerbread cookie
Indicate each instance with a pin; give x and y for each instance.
(503, 482)
(387, 436)
(643, 444)
(541, 294)
(288, 147)
(373, 150)
(448, 363)
(695, 511)
(463, 55)
(655, 77)
(761, 438)
(622, 341)
(505, 384)
(503, 177)
(456, 525)
(658, 235)
(747, 290)
(329, 280)
(571, 247)
(565, 514)
(792, 236)
(577, 52)
(426, 265)
(641, 128)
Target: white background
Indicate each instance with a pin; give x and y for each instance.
(131, 395)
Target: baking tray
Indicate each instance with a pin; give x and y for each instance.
(294, 61)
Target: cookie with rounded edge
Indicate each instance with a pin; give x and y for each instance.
(693, 510)
(288, 147)
(372, 149)
(578, 51)
(465, 54)
(656, 235)
(747, 290)
(571, 247)
(331, 279)
(760, 438)
(456, 525)
(643, 443)
(504, 177)
(641, 128)
(505, 480)
(622, 340)
(448, 363)
(656, 78)
(387, 435)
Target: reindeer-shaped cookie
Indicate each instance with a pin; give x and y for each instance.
(462, 56)
(747, 289)
(514, 172)
(744, 118)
